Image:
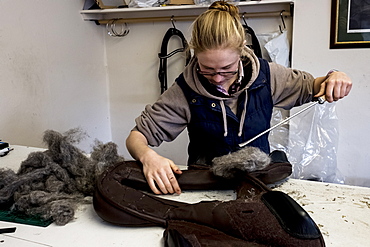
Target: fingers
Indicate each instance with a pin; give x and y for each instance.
(172, 184)
(166, 184)
(336, 90)
(163, 181)
(347, 89)
(329, 91)
(153, 186)
(337, 86)
(175, 168)
(322, 90)
(173, 180)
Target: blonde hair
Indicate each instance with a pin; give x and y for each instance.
(218, 27)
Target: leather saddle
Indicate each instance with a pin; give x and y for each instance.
(258, 217)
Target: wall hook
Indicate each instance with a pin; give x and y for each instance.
(244, 20)
(112, 30)
(173, 22)
(282, 20)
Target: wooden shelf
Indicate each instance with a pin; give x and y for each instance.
(250, 9)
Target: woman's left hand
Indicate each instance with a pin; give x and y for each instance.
(335, 86)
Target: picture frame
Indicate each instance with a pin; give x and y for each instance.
(350, 24)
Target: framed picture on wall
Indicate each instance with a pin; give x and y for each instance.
(350, 24)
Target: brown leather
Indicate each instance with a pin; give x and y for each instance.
(120, 204)
(187, 234)
(203, 178)
(132, 175)
(253, 217)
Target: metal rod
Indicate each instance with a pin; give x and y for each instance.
(320, 101)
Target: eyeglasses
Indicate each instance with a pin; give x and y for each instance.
(224, 74)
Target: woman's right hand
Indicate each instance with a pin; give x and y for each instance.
(159, 171)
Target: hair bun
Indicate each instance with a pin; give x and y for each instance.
(225, 6)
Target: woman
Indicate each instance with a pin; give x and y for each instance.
(224, 97)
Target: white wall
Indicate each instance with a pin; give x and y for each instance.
(52, 72)
(133, 73)
(311, 52)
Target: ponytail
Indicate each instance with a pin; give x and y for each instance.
(218, 27)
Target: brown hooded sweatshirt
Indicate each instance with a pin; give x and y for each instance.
(170, 114)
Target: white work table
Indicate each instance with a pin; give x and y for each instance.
(341, 212)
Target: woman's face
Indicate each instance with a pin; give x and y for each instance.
(219, 60)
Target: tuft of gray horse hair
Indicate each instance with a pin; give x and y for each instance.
(53, 183)
(247, 159)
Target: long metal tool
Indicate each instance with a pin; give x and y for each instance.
(320, 100)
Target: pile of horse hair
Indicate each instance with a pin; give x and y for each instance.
(51, 184)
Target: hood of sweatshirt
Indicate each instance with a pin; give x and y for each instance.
(192, 79)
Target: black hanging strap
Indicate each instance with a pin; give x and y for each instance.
(255, 46)
(162, 73)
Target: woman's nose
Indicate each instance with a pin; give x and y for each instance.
(217, 78)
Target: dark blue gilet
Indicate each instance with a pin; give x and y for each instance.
(206, 127)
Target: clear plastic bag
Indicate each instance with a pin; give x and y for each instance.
(275, 47)
(278, 48)
(310, 139)
(312, 143)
